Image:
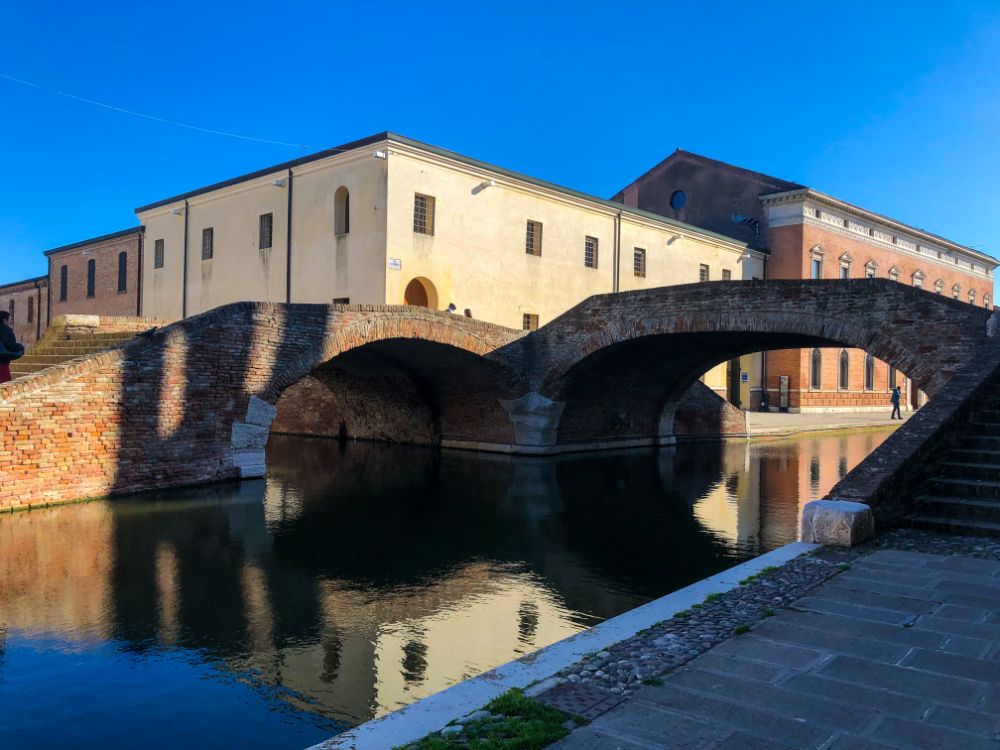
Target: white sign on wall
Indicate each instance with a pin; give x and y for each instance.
(395, 264)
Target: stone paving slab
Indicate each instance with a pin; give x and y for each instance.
(900, 651)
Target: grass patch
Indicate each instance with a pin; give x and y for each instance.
(768, 613)
(844, 566)
(653, 681)
(521, 724)
(741, 629)
(713, 597)
(763, 571)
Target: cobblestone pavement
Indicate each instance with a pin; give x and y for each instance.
(894, 649)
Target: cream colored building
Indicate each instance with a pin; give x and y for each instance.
(389, 220)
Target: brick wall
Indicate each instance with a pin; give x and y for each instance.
(107, 299)
(28, 301)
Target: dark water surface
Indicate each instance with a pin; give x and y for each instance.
(350, 582)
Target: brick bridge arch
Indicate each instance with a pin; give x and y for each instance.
(192, 402)
(614, 367)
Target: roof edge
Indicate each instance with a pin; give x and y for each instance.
(120, 233)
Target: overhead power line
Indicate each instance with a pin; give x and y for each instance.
(149, 117)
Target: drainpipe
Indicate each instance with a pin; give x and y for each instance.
(138, 278)
(288, 242)
(184, 298)
(616, 276)
(764, 393)
(48, 300)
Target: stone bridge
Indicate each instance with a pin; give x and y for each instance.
(195, 401)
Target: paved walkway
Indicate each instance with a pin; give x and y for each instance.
(775, 423)
(900, 651)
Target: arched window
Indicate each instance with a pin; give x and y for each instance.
(894, 274)
(869, 372)
(845, 370)
(341, 211)
(816, 370)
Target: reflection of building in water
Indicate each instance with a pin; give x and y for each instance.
(55, 571)
(361, 580)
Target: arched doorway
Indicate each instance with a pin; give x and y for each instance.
(420, 292)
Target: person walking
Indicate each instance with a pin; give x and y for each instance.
(896, 394)
(9, 348)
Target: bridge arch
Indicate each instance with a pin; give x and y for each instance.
(619, 363)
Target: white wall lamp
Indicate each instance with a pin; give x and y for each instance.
(178, 211)
(280, 182)
(673, 239)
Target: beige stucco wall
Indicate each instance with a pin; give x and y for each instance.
(324, 266)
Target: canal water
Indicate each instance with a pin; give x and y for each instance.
(356, 579)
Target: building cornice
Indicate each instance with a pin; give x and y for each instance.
(919, 237)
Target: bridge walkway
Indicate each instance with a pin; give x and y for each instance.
(900, 651)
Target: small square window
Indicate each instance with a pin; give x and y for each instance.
(703, 273)
(207, 243)
(423, 214)
(727, 275)
(639, 262)
(533, 238)
(341, 300)
(590, 252)
(266, 235)
(529, 322)
(158, 254)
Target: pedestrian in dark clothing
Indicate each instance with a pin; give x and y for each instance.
(9, 348)
(896, 392)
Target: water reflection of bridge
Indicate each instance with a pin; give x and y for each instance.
(366, 580)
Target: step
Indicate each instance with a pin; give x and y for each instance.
(953, 526)
(960, 508)
(985, 441)
(970, 454)
(969, 470)
(959, 487)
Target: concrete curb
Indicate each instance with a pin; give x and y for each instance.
(419, 719)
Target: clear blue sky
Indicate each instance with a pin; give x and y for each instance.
(891, 105)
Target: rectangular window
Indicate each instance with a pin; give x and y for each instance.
(870, 272)
(10, 309)
(91, 277)
(423, 214)
(31, 309)
(590, 252)
(639, 262)
(727, 275)
(529, 322)
(845, 272)
(158, 254)
(533, 238)
(817, 268)
(122, 272)
(341, 300)
(266, 231)
(207, 243)
(703, 272)
(63, 282)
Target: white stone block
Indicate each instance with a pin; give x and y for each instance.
(243, 459)
(260, 412)
(840, 523)
(535, 418)
(246, 436)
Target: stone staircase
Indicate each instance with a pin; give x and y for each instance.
(72, 336)
(962, 495)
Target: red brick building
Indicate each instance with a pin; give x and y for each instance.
(808, 234)
(27, 302)
(99, 276)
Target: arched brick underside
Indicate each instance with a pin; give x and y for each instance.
(620, 363)
(401, 390)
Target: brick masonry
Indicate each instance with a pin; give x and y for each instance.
(166, 409)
